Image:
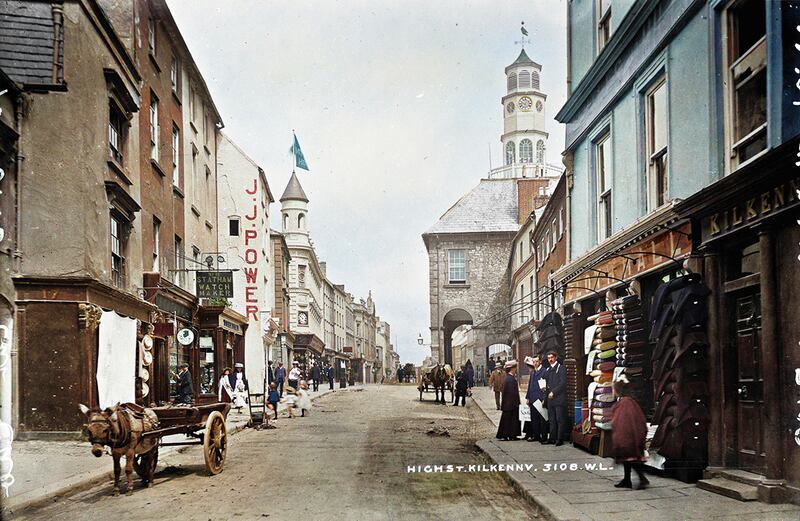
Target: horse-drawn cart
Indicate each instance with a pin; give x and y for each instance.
(440, 377)
(204, 423)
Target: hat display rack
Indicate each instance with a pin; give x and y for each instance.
(633, 352)
(680, 375)
(601, 363)
(574, 325)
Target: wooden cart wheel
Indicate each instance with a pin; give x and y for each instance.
(215, 442)
(145, 464)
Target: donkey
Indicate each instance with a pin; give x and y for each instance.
(121, 428)
(438, 377)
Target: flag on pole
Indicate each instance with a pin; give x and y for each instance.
(299, 160)
(524, 31)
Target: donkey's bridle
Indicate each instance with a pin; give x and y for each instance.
(124, 431)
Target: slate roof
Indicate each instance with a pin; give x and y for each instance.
(293, 190)
(26, 41)
(489, 207)
(523, 59)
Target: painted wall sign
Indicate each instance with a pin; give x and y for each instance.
(230, 325)
(171, 307)
(251, 257)
(752, 210)
(215, 284)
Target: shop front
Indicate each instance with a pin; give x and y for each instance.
(220, 345)
(72, 333)
(745, 229)
(308, 350)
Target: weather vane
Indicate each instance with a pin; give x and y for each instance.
(522, 41)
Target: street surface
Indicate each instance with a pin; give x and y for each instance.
(348, 460)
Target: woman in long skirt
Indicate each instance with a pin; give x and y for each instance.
(629, 429)
(509, 428)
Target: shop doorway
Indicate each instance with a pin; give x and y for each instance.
(748, 394)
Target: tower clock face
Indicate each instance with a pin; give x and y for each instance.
(302, 318)
(510, 107)
(539, 106)
(525, 104)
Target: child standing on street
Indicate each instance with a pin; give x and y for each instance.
(303, 400)
(291, 400)
(273, 398)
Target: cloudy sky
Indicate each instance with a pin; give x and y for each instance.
(396, 105)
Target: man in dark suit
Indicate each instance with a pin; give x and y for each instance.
(556, 379)
(185, 389)
(330, 375)
(537, 428)
(280, 378)
(315, 377)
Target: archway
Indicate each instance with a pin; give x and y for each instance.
(453, 319)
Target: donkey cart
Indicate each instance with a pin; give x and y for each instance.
(204, 423)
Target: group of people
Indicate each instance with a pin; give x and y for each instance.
(465, 381)
(279, 377)
(546, 397)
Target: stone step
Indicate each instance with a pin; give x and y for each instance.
(729, 488)
(742, 476)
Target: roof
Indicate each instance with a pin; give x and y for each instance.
(523, 59)
(489, 207)
(27, 48)
(293, 190)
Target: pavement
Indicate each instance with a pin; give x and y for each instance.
(45, 470)
(585, 490)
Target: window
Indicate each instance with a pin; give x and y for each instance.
(195, 182)
(176, 156)
(561, 222)
(116, 129)
(554, 228)
(196, 257)
(656, 143)
(510, 155)
(153, 127)
(156, 243)
(178, 279)
(175, 75)
(603, 172)
(521, 256)
(512, 81)
(540, 151)
(746, 85)
(301, 221)
(151, 36)
(117, 251)
(535, 80)
(526, 151)
(233, 226)
(457, 266)
(603, 23)
(285, 222)
(524, 80)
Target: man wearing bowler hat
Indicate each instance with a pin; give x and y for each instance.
(555, 392)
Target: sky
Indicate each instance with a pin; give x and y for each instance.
(396, 105)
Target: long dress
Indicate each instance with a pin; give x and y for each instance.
(509, 427)
(629, 430)
(225, 390)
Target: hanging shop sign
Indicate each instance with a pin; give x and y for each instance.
(215, 284)
(172, 307)
(752, 210)
(185, 336)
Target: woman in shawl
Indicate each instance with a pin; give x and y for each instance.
(629, 430)
(225, 390)
(509, 428)
(470, 372)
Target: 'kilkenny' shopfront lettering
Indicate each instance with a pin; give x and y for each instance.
(751, 210)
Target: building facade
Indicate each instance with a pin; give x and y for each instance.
(698, 185)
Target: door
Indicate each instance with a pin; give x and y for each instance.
(749, 382)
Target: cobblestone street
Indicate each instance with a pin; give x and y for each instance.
(347, 460)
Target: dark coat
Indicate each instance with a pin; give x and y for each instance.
(628, 430)
(534, 392)
(270, 374)
(510, 396)
(461, 383)
(330, 374)
(280, 374)
(315, 373)
(185, 388)
(556, 378)
(470, 376)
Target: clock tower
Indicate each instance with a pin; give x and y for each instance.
(524, 138)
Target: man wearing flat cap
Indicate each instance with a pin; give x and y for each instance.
(509, 428)
(185, 390)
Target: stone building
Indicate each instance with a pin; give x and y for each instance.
(281, 259)
(469, 247)
(306, 277)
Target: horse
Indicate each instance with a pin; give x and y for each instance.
(438, 378)
(122, 427)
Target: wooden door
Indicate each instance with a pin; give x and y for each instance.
(749, 391)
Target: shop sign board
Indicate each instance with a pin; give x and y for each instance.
(215, 284)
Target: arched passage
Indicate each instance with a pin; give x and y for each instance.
(453, 319)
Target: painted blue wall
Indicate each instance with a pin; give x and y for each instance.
(625, 198)
(582, 37)
(581, 219)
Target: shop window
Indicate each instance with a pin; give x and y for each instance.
(743, 261)
(656, 143)
(746, 82)
(207, 368)
(178, 354)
